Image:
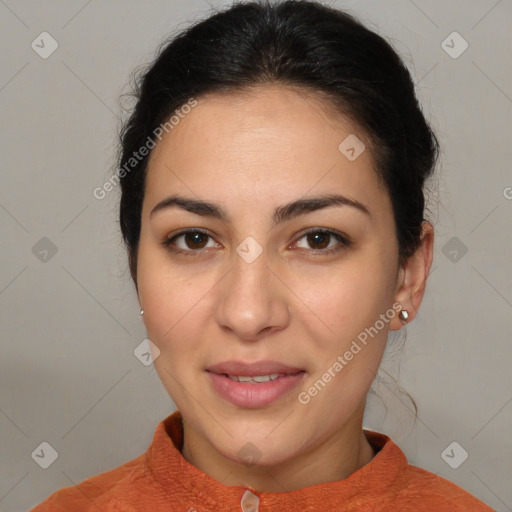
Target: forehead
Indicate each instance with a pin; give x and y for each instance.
(266, 145)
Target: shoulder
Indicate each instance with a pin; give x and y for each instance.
(419, 489)
(99, 490)
(399, 485)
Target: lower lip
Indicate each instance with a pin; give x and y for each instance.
(245, 394)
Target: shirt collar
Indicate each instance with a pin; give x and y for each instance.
(180, 479)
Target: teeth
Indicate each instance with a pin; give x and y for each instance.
(256, 378)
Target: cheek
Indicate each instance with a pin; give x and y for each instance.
(172, 312)
(342, 318)
(341, 301)
(170, 298)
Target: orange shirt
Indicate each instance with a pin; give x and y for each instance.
(161, 480)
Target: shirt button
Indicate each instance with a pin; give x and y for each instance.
(249, 502)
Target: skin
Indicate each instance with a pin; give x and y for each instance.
(251, 153)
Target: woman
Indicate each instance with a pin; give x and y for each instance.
(272, 207)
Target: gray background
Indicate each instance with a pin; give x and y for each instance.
(70, 321)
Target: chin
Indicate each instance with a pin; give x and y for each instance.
(257, 450)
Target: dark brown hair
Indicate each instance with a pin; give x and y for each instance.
(293, 42)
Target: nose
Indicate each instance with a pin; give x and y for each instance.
(252, 299)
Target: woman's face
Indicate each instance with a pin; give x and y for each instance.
(257, 287)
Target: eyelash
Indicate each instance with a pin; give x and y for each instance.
(344, 242)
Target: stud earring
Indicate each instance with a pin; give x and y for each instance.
(403, 315)
(141, 311)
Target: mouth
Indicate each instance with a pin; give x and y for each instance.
(258, 379)
(254, 369)
(252, 389)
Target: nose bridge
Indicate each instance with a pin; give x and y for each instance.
(249, 301)
(250, 272)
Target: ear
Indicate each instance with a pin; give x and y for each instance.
(413, 276)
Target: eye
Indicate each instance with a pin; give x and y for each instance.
(194, 240)
(322, 238)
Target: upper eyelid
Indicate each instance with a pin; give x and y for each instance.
(170, 238)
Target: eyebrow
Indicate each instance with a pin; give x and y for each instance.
(282, 213)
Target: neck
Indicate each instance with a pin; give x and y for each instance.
(315, 466)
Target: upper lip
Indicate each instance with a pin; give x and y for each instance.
(252, 369)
